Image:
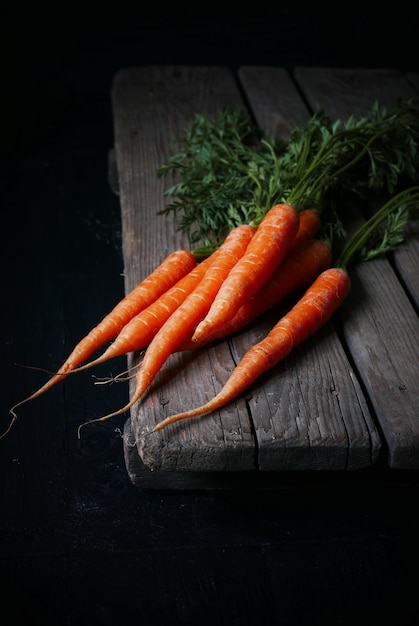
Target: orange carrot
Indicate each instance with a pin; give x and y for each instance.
(308, 227)
(300, 268)
(320, 301)
(139, 331)
(265, 252)
(310, 313)
(181, 324)
(173, 267)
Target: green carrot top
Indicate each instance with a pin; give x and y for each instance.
(384, 231)
(227, 172)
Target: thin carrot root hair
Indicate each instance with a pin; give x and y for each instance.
(44, 370)
(12, 421)
(123, 376)
(306, 317)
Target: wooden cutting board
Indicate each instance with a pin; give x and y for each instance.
(345, 400)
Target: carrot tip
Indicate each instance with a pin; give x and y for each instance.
(143, 435)
(103, 418)
(12, 421)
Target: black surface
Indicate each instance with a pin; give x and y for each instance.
(79, 544)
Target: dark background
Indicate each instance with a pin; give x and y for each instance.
(59, 56)
(79, 544)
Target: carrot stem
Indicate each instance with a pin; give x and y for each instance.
(406, 199)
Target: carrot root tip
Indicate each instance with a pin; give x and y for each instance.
(8, 429)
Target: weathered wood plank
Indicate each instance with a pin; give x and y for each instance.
(312, 413)
(152, 106)
(407, 258)
(273, 99)
(383, 336)
(345, 91)
(382, 331)
(141, 474)
(278, 108)
(280, 481)
(224, 441)
(406, 262)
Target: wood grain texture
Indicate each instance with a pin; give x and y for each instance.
(153, 105)
(274, 99)
(342, 92)
(299, 434)
(406, 262)
(320, 409)
(382, 333)
(152, 108)
(389, 324)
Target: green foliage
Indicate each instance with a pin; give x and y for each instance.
(218, 168)
(384, 231)
(226, 172)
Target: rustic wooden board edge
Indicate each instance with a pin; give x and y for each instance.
(142, 476)
(371, 478)
(386, 383)
(394, 412)
(113, 176)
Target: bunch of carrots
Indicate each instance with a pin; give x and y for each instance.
(186, 302)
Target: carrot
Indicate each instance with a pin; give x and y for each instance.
(181, 324)
(310, 313)
(382, 233)
(173, 267)
(308, 227)
(140, 330)
(299, 268)
(267, 249)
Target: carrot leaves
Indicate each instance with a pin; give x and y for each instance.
(227, 172)
(217, 167)
(384, 231)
